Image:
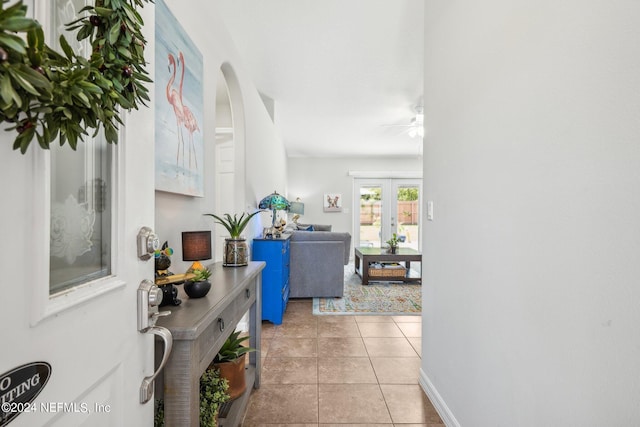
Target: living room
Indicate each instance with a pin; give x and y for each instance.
(517, 310)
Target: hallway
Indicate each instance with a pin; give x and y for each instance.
(339, 371)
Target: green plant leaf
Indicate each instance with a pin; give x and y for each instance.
(66, 48)
(22, 82)
(13, 42)
(18, 24)
(114, 32)
(103, 11)
(233, 348)
(6, 89)
(234, 225)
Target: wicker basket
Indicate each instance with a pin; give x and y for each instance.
(388, 272)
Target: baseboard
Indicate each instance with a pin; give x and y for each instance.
(441, 407)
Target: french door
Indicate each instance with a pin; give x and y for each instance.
(385, 207)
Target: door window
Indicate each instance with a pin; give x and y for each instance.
(407, 215)
(370, 215)
(388, 206)
(80, 232)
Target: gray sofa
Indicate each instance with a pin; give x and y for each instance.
(317, 261)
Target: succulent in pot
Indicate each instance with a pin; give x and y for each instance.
(231, 362)
(198, 285)
(200, 275)
(235, 225)
(236, 251)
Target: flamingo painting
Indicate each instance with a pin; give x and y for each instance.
(179, 121)
(184, 116)
(190, 122)
(175, 99)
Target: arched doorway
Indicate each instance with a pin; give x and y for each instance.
(230, 159)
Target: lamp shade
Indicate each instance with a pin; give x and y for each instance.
(196, 245)
(274, 201)
(297, 208)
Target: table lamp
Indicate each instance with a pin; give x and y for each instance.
(297, 209)
(196, 246)
(274, 202)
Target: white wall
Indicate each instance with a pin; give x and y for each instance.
(264, 164)
(531, 279)
(311, 178)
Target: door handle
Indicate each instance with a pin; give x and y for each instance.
(146, 389)
(149, 298)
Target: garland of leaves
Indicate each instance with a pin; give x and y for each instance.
(48, 95)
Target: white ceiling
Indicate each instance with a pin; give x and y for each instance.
(338, 71)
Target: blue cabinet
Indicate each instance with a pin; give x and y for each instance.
(275, 276)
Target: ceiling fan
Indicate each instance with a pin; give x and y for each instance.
(416, 125)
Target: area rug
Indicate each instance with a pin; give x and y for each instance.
(377, 298)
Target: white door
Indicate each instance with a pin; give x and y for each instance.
(70, 274)
(387, 206)
(225, 180)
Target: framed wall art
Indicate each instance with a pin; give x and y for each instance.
(179, 106)
(332, 202)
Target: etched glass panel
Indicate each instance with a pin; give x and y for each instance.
(80, 236)
(80, 214)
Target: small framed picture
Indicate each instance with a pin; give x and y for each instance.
(332, 202)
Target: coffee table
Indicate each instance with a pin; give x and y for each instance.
(365, 255)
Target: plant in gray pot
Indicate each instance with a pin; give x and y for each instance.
(236, 251)
(198, 285)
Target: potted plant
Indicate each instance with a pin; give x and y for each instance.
(236, 251)
(198, 284)
(393, 243)
(213, 393)
(231, 361)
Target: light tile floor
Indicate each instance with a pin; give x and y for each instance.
(340, 371)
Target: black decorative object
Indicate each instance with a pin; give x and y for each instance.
(198, 285)
(197, 289)
(169, 295)
(162, 264)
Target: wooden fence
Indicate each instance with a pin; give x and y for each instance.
(407, 213)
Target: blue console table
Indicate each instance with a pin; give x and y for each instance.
(275, 276)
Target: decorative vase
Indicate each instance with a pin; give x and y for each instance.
(233, 372)
(197, 289)
(236, 252)
(392, 249)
